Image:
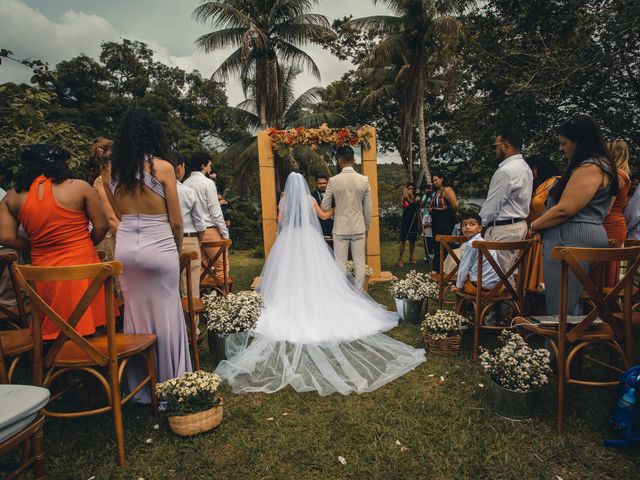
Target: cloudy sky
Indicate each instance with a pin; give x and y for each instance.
(54, 30)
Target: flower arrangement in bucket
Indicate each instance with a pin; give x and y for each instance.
(517, 372)
(235, 312)
(193, 405)
(441, 332)
(411, 292)
(230, 319)
(368, 271)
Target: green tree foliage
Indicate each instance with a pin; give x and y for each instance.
(83, 98)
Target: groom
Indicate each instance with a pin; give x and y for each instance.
(351, 194)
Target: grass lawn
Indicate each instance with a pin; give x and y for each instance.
(414, 427)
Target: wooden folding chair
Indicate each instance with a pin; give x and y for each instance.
(208, 278)
(15, 316)
(446, 280)
(191, 305)
(32, 440)
(502, 292)
(568, 335)
(103, 356)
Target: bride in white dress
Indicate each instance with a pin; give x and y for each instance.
(317, 331)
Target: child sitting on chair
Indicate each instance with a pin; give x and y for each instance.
(471, 226)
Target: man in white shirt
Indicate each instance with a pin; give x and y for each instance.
(193, 225)
(506, 208)
(207, 198)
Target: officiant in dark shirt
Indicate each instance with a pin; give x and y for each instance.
(327, 225)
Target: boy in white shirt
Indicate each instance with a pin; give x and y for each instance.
(471, 226)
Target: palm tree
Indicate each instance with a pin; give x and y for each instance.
(264, 32)
(292, 112)
(417, 35)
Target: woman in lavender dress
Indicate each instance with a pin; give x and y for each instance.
(149, 238)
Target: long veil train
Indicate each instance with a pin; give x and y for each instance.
(317, 331)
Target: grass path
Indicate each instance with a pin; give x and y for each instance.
(415, 427)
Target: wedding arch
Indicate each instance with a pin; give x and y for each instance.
(365, 137)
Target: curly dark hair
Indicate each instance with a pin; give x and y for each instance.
(545, 167)
(583, 130)
(42, 159)
(139, 137)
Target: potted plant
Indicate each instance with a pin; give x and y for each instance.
(230, 319)
(517, 373)
(368, 271)
(410, 293)
(193, 405)
(441, 332)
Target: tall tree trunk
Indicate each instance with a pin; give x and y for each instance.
(410, 161)
(422, 133)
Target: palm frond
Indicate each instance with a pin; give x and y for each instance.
(227, 37)
(222, 13)
(300, 58)
(383, 24)
(232, 65)
(301, 33)
(247, 119)
(283, 10)
(447, 25)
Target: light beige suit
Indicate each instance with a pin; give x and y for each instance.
(351, 194)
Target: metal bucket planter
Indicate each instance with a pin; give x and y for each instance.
(225, 345)
(410, 311)
(511, 404)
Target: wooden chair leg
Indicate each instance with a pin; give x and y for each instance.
(116, 406)
(560, 378)
(37, 442)
(476, 329)
(151, 355)
(194, 343)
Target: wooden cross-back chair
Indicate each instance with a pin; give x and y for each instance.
(446, 280)
(103, 356)
(208, 278)
(32, 440)
(502, 292)
(15, 316)
(635, 299)
(568, 335)
(15, 341)
(191, 305)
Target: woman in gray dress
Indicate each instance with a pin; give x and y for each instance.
(577, 205)
(143, 194)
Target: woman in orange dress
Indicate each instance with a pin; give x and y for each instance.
(55, 212)
(545, 175)
(614, 222)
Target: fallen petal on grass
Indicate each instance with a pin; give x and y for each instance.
(269, 419)
(481, 385)
(342, 460)
(149, 440)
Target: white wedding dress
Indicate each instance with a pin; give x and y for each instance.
(317, 331)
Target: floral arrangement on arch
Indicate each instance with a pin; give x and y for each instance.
(315, 137)
(414, 286)
(443, 324)
(237, 312)
(515, 365)
(190, 393)
(351, 269)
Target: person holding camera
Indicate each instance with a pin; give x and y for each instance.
(411, 221)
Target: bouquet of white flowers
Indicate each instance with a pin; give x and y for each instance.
(237, 312)
(190, 393)
(415, 286)
(515, 365)
(351, 268)
(442, 324)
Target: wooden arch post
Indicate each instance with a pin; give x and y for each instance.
(269, 200)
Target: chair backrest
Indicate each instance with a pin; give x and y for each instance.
(223, 247)
(570, 258)
(522, 248)
(446, 242)
(101, 275)
(18, 320)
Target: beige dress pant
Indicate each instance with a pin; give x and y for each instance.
(191, 244)
(213, 235)
(7, 294)
(506, 233)
(357, 244)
